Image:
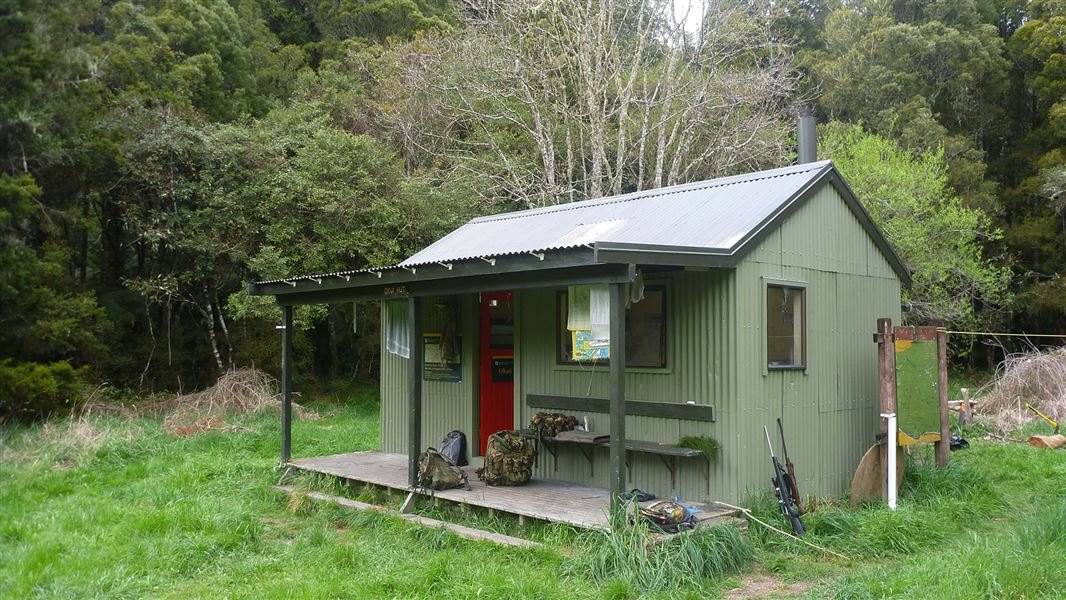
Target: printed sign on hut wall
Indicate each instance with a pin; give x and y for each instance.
(587, 347)
(437, 366)
(503, 368)
(588, 319)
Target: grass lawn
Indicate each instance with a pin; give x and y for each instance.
(117, 508)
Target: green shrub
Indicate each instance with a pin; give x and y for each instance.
(35, 390)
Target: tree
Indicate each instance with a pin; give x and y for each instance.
(541, 102)
(44, 316)
(876, 64)
(299, 191)
(937, 235)
(1033, 163)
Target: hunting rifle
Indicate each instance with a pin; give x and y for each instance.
(793, 487)
(780, 481)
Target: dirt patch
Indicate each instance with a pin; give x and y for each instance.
(759, 585)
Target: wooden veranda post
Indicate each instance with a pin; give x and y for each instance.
(943, 447)
(886, 376)
(617, 393)
(286, 384)
(414, 416)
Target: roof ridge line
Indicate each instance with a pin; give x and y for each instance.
(652, 193)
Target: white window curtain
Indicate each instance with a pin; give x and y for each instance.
(398, 329)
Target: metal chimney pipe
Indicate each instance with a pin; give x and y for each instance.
(808, 136)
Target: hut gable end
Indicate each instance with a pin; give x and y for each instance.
(824, 234)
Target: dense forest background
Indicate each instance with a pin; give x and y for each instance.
(157, 156)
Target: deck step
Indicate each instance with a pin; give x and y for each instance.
(462, 531)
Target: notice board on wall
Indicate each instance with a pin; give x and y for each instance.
(433, 369)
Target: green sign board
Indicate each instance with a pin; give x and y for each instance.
(917, 391)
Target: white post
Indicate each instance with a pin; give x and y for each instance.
(891, 470)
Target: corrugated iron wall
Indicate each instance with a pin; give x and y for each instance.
(445, 405)
(700, 332)
(716, 355)
(830, 410)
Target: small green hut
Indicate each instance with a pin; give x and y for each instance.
(734, 302)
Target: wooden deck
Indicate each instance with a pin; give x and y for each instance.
(544, 499)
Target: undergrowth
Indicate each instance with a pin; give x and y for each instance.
(630, 558)
(121, 507)
(1027, 561)
(933, 505)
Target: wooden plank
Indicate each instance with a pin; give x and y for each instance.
(538, 278)
(545, 499)
(580, 437)
(592, 438)
(462, 531)
(657, 448)
(668, 410)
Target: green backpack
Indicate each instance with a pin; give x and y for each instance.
(435, 472)
(508, 459)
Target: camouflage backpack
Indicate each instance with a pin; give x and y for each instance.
(508, 459)
(435, 472)
(547, 425)
(668, 517)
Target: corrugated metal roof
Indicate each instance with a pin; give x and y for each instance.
(713, 214)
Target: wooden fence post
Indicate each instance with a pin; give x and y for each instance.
(943, 447)
(886, 377)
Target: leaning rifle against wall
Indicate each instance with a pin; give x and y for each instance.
(782, 489)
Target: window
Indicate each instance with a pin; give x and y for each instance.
(645, 332)
(786, 327)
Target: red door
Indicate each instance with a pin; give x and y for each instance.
(496, 365)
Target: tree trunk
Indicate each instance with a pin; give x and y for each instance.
(225, 330)
(209, 312)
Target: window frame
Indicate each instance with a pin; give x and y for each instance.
(664, 345)
(805, 327)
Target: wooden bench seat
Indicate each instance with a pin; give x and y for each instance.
(585, 440)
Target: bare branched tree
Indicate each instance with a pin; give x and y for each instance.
(562, 100)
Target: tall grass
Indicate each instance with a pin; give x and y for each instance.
(131, 510)
(934, 504)
(1029, 561)
(110, 507)
(631, 558)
